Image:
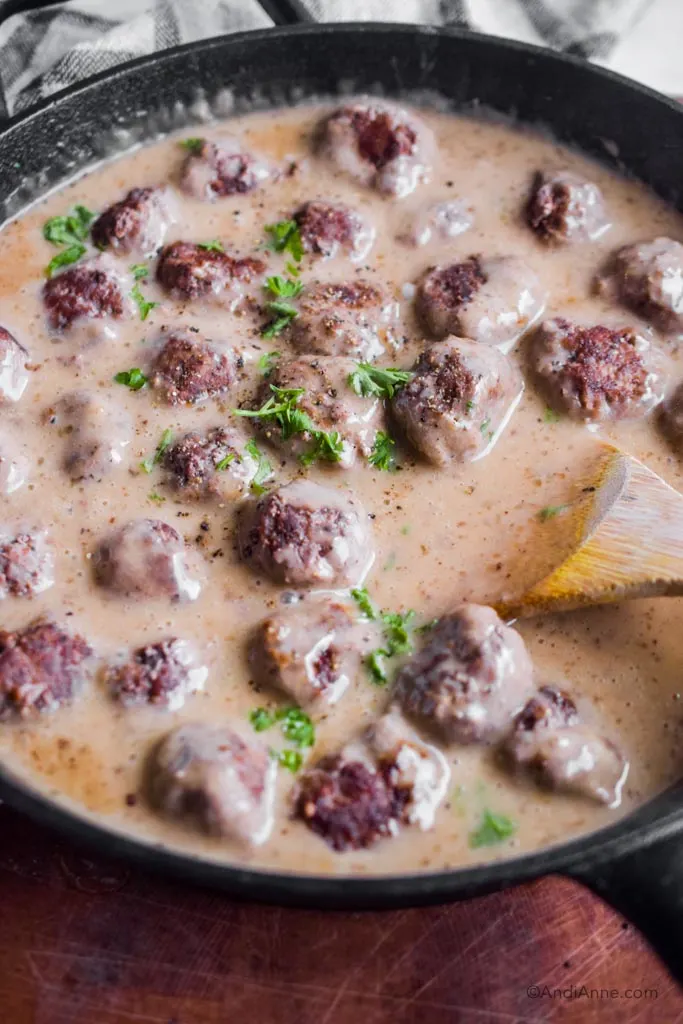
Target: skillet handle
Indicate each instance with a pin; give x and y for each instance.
(646, 886)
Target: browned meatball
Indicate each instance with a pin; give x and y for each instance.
(137, 223)
(311, 651)
(458, 402)
(145, 558)
(648, 278)
(216, 778)
(162, 674)
(188, 370)
(492, 301)
(188, 271)
(598, 373)
(13, 369)
(96, 433)
(333, 229)
(213, 170)
(26, 564)
(93, 290)
(350, 319)
(564, 207)
(41, 668)
(217, 464)
(551, 742)
(306, 535)
(329, 402)
(470, 678)
(379, 144)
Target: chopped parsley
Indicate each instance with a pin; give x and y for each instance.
(289, 759)
(225, 462)
(362, 599)
(283, 287)
(382, 454)
(376, 667)
(281, 311)
(282, 315)
(264, 470)
(296, 727)
(550, 511)
(148, 464)
(134, 379)
(469, 405)
(139, 271)
(213, 246)
(285, 237)
(192, 145)
(493, 828)
(158, 499)
(326, 447)
(64, 258)
(396, 628)
(261, 719)
(550, 416)
(267, 362)
(376, 381)
(282, 408)
(396, 632)
(485, 426)
(70, 229)
(427, 627)
(144, 305)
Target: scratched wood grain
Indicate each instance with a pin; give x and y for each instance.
(87, 941)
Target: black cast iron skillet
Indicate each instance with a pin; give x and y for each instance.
(636, 864)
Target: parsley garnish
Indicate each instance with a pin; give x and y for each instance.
(134, 379)
(494, 828)
(289, 759)
(282, 408)
(362, 599)
(225, 462)
(326, 447)
(550, 416)
(261, 719)
(296, 727)
(550, 511)
(156, 498)
(264, 469)
(267, 361)
(285, 237)
(143, 304)
(283, 316)
(283, 287)
(64, 258)
(382, 454)
(396, 628)
(369, 380)
(139, 271)
(149, 463)
(192, 145)
(282, 312)
(213, 246)
(70, 229)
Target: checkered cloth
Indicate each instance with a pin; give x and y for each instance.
(44, 50)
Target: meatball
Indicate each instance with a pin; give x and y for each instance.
(136, 224)
(307, 535)
(551, 742)
(145, 558)
(352, 319)
(26, 564)
(213, 170)
(14, 467)
(458, 402)
(470, 678)
(14, 372)
(188, 271)
(41, 668)
(648, 278)
(217, 464)
(598, 373)
(217, 778)
(672, 417)
(564, 207)
(334, 229)
(162, 674)
(439, 222)
(311, 651)
(493, 301)
(96, 434)
(93, 290)
(329, 403)
(188, 370)
(378, 144)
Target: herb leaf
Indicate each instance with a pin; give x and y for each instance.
(282, 408)
(139, 271)
(550, 416)
(397, 641)
(289, 759)
(143, 304)
(285, 237)
(282, 312)
(213, 246)
(326, 447)
(261, 719)
(382, 454)
(192, 145)
(376, 381)
(267, 361)
(493, 829)
(550, 511)
(362, 599)
(225, 462)
(283, 287)
(148, 464)
(375, 664)
(158, 499)
(64, 258)
(70, 229)
(134, 379)
(296, 727)
(264, 470)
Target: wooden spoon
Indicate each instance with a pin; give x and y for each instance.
(629, 543)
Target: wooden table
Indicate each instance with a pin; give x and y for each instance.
(87, 941)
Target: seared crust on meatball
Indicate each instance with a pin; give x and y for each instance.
(492, 301)
(96, 433)
(565, 208)
(145, 558)
(41, 668)
(598, 373)
(26, 564)
(213, 170)
(331, 229)
(458, 401)
(91, 290)
(216, 778)
(471, 677)
(189, 370)
(217, 464)
(648, 278)
(187, 272)
(379, 144)
(329, 403)
(13, 370)
(137, 223)
(306, 535)
(161, 674)
(551, 742)
(343, 319)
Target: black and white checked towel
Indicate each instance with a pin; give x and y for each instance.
(44, 50)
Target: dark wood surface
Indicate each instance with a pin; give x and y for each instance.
(86, 941)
